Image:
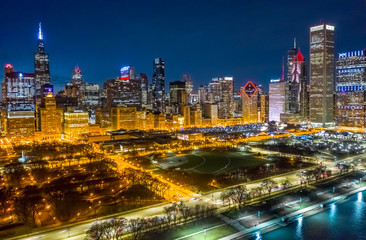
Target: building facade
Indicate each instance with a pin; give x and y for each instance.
(19, 92)
(351, 89)
(321, 74)
(277, 99)
(158, 87)
(76, 123)
(51, 118)
(41, 66)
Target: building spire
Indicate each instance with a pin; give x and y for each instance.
(40, 33)
(294, 42)
(283, 70)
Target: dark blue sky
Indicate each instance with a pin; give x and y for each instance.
(244, 39)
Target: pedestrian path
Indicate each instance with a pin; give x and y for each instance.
(278, 221)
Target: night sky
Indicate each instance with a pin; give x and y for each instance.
(244, 39)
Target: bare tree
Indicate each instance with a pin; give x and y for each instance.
(136, 226)
(269, 184)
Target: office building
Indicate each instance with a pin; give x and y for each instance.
(227, 96)
(124, 118)
(18, 91)
(142, 77)
(41, 66)
(249, 96)
(351, 89)
(277, 99)
(158, 87)
(321, 74)
(178, 96)
(51, 118)
(76, 123)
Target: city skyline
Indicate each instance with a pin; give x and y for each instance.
(203, 58)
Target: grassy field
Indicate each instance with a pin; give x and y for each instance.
(216, 162)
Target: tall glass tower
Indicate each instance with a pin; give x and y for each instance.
(321, 74)
(158, 85)
(41, 65)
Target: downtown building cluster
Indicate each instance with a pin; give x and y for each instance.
(328, 89)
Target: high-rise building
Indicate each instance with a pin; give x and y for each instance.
(51, 118)
(277, 99)
(41, 66)
(75, 88)
(124, 118)
(351, 89)
(202, 95)
(250, 103)
(227, 96)
(123, 91)
(298, 87)
(189, 85)
(142, 77)
(178, 95)
(18, 91)
(76, 123)
(214, 91)
(321, 74)
(291, 54)
(158, 87)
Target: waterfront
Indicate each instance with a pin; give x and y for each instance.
(340, 221)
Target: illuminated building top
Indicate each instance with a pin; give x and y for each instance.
(249, 89)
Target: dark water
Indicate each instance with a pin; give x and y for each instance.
(341, 221)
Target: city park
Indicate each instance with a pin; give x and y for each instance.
(213, 187)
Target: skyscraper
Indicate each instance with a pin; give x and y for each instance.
(51, 118)
(189, 85)
(227, 96)
(158, 85)
(124, 90)
(18, 91)
(142, 77)
(41, 65)
(298, 87)
(249, 95)
(277, 99)
(350, 89)
(178, 96)
(321, 74)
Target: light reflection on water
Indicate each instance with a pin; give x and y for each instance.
(340, 221)
(299, 228)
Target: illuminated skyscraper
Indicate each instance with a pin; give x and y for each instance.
(178, 95)
(158, 86)
(142, 77)
(321, 74)
(249, 95)
(351, 89)
(41, 65)
(51, 118)
(75, 88)
(189, 85)
(18, 91)
(76, 123)
(123, 91)
(226, 107)
(124, 118)
(277, 99)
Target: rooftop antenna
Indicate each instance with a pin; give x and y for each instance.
(295, 42)
(40, 33)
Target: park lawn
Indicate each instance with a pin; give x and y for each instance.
(219, 160)
(221, 229)
(192, 161)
